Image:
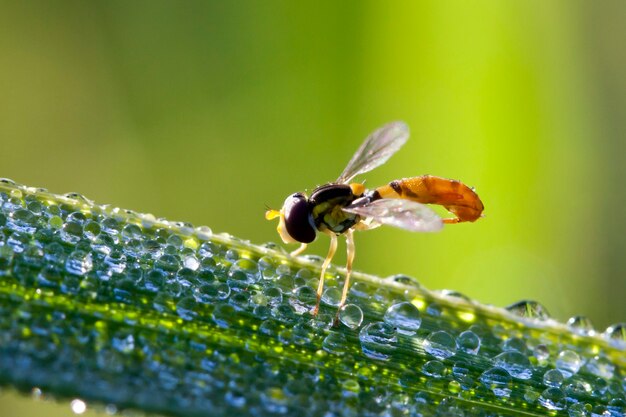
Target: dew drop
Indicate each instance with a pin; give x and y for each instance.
(116, 261)
(71, 232)
(191, 262)
(405, 280)
(203, 232)
(434, 310)
(568, 362)
(335, 343)
(186, 308)
(601, 366)
(91, 230)
(223, 314)
(331, 296)
(78, 406)
(553, 378)
(468, 342)
(552, 399)
(378, 340)
(22, 220)
(516, 344)
(580, 324)
(440, 344)
(55, 222)
(79, 263)
(154, 280)
(434, 368)
(515, 363)
(304, 300)
(529, 309)
(541, 352)
(498, 381)
(616, 333)
(351, 316)
(454, 294)
(405, 317)
(110, 226)
(577, 410)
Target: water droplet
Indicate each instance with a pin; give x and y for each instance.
(454, 294)
(529, 309)
(203, 232)
(116, 261)
(248, 267)
(577, 410)
(378, 340)
(434, 368)
(440, 344)
(78, 406)
(405, 317)
(498, 381)
(331, 296)
(304, 300)
(351, 316)
(580, 324)
(541, 352)
(79, 263)
(168, 263)
(616, 333)
(91, 230)
(110, 226)
(154, 280)
(274, 295)
(129, 232)
(335, 343)
(360, 290)
(601, 366)
(434, 310)
(568, 362)
(468, 342)
(175, 241)
(23, 221)
(191, 262)
(55, 222)
(223, 314)
(186, 308)
(516, 363)
(552, 399)
(515, 343)
(71, 232)
(553, 378)
(405, 280)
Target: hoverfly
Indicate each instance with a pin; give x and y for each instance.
(341, 207)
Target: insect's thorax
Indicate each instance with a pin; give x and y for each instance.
(326, 204)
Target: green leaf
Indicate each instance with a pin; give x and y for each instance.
(127, 310)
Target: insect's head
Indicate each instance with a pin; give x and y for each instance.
(295, 220)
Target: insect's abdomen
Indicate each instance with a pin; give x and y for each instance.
(455, 196)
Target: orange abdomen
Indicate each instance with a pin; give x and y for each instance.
(455, 196)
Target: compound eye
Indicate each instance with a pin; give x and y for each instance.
(298, 218)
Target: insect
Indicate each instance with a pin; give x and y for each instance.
(340, 207)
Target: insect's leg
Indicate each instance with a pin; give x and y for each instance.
(329, 257)
(452, 220)
(346, 285)
(298, 251)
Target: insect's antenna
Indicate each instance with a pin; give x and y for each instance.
(267, 207)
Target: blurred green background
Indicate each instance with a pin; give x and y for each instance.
(207, 111)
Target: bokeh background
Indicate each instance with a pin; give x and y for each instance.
(207, 111)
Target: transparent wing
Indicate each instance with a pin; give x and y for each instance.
(405, 214)
(376, 150)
